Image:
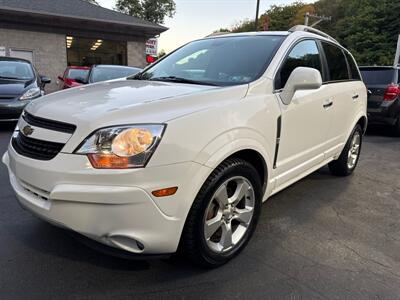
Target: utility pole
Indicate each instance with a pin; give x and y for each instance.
(319, 18)
(257, 11)
(397, 57)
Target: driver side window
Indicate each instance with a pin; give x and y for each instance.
(304, 54)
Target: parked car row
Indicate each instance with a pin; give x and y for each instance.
(20, 82)
(75, 76)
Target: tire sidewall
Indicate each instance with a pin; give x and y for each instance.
(252, 176)
(348, 145)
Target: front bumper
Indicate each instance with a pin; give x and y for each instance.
(11, 110)
(114, 207)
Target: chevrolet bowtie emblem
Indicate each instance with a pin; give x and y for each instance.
(27, 130)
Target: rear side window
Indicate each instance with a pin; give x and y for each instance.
(304, 54)
(336, 63)
(377, 76)
(77, 73)
(355, 75)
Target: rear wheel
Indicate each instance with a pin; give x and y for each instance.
(224, 214)
(397, 127)
(348, 159)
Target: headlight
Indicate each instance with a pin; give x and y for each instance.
(31, 94)
(122, 147)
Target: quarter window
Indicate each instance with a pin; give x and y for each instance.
(336, 62)
(304, 54)
(355, 75)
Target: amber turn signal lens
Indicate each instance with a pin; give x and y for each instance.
(108, 161)
(165, 192)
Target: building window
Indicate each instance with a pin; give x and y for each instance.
(87, 52)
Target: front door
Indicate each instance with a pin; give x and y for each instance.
(305, 122)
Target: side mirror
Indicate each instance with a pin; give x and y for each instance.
(45, 79)
(60, 78)
(80, 80)
(301, 79)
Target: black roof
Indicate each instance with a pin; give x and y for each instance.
(77, 9)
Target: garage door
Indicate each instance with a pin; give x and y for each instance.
(24, 54)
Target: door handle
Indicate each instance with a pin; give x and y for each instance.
(327, 104)
(355, 97)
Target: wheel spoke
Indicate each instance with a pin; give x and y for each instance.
(226, 237)
(241, 190)
(211, 226)
(222, 195)
(243, 215)
(220, 234)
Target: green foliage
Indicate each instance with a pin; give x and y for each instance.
(282, 16)
(151, 10)
(368, 28)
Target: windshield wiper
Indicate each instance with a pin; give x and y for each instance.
(181, 80)
(138, 76)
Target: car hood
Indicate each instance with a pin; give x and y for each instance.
(13, 87)
(130, 101)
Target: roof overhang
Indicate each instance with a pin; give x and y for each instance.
(86, 27)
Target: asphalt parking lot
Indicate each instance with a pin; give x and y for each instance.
(324, 237)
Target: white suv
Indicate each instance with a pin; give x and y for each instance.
(181, 156)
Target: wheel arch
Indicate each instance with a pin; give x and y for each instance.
(363, 122)
(257, 161)
(249, 150)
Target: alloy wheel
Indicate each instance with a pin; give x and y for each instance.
(354, 150)
(229, 214)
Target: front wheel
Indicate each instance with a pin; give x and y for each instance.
(348, 159)
(224, 214)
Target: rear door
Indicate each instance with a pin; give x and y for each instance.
(377, 79)
(345, 90)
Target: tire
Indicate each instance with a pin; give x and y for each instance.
(347, 161)
(232, 176)
(396, 128)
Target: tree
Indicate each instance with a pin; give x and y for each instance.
(300, 15)
(151, 10)
(367, 28)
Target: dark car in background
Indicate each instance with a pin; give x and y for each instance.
(71, 73)
(100, 73)
(19, 84)
(383, 84)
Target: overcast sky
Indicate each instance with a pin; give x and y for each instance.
(198, 18)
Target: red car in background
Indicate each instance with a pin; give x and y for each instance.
(72, 73)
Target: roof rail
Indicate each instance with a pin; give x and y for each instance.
(312, 30)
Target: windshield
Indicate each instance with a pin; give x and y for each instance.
(16, 70)
(77, 73)
(218, 61)
(377, 76)
(109, 73)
